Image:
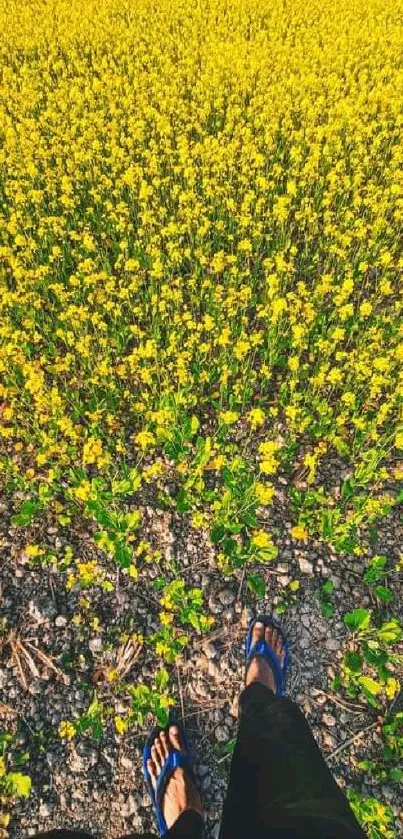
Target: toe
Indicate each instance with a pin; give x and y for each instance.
(155, 757)
(257, 632)
(268, 635)
(175, 738)
(160, 750)
(152, 769)
(164, 744)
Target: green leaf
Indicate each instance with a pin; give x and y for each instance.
(217, 533)
(256, 584)
(327, 609)
(366, 765)
(390, 632)
(194, 424)
(133, 519)
(267, 554)
(26, 513)
(370, 685)
(123, 555)
(327, 527)
(375, 570)
(383, 594)
(347, 489)
(336, 683)
(328, 587)
(228, 748)
(249, 518)
(21, 784)
(101, 515)
(182, 502)
(358, 619)
(162, 679)
(353, 661)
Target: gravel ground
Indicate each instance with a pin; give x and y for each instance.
(98, 786)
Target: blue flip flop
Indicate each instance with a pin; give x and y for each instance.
(175, 759)
(263, 649)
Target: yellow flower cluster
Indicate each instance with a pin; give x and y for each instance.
(199, 214)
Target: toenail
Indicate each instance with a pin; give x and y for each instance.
(259, 625)
(174, 729)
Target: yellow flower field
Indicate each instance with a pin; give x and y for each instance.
(201, 209)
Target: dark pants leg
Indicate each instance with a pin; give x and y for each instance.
(280, 786)
(190, 825)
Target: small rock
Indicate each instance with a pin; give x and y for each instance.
(215, 608)
(247, 615)
(76, 764)
(226, 597)
(126, 763)
(328, 740)
(210, 650)
(332, 644)
(320, 699)
(221, 734)
(329, 720)
(213, 670)
(387, 792)
(95, 645)
(61, 621)
(44, 810)
(304, 564)
(128, 807)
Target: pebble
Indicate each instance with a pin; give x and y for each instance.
(215, 608)
(61, 621)
(226, 597)
(320, 699)
(210, 650)
(329, 720)
(95, 645)
(304, 564)
(128, 807)
(213, 670)
(126, 763)
(76, 764)
(221, 734)
(329, 741)
(332, 644)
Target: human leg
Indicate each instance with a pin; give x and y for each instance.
(279, 782)
(177, 796)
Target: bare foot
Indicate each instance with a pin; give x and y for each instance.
(259, 669)
(180, 792)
